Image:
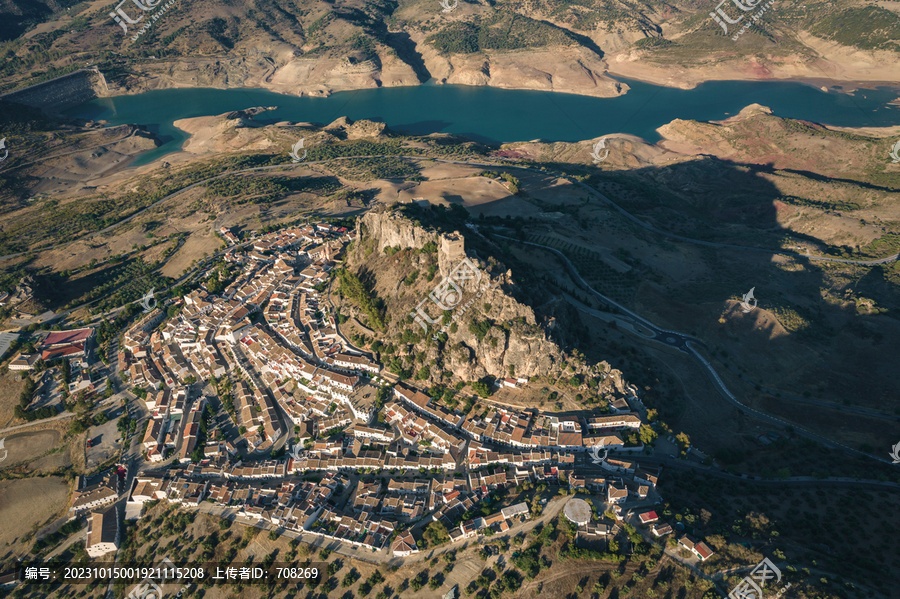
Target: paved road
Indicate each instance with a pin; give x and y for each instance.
(36, 422)
(661, 232)
(671, 338)
(150, 207)
(772, 419)
(132, 131)
(815, 402)
(686, 344)
(551, 510)
(672, 553)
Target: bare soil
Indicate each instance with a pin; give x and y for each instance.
(25, 506)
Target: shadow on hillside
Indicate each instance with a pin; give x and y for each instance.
(829, 351)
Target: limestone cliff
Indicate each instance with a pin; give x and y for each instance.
(282, 73)
(566, 70)
(390, 247)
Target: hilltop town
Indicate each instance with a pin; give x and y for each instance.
(259, 408)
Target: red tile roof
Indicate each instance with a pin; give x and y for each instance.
(62, 352)
(66, 337)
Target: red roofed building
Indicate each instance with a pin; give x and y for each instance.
(648, 517)
(65, 344)
(702, 551)
(56, 338)
(66, 351)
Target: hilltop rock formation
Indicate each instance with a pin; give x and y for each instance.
(514, 338)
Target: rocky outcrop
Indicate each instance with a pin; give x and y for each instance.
(570, 70)
(237, 131)
(515, 340)
(344, 128)
(228, 132)
(391, 230)
(297, 76)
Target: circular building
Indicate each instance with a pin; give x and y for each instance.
(578, 511)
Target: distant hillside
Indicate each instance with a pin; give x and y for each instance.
(320, 48)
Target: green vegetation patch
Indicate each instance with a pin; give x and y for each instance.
(54, 222)
(821, 205)
(885, 245)
(502, 31)
(122, 283)
(351, 286)
(267, 189)
(377, 167)
(869, 28)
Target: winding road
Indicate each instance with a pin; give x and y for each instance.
(686, 343)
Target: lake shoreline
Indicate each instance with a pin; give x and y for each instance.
(847, 87)
(497, 116)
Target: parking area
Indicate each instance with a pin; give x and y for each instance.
(49, 390)
(104, 440)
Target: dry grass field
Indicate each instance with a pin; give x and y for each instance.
(30, 449)
(25, 506)
(10, 390)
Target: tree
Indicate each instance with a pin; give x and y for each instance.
(480, 328)
(435, 534)
(481, 388)
(419, 581)
(647, 435)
